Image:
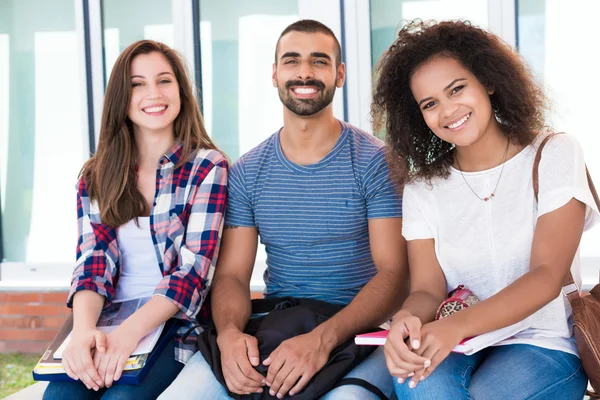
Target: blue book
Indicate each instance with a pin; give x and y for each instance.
(136, 369)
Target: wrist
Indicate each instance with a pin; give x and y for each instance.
(326, 337)
(227, 335)
(133, 331)
(403, 313)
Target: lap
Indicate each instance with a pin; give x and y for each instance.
(374, 371)
(159, 377)
(195, 381)
(503, 372)
(450, 380)
(523, 371)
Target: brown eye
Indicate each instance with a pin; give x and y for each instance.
(457, 89)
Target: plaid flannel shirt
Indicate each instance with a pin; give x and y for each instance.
(186, 223)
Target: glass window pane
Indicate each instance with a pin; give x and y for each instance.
(237, 38)
(128, 21)
(388, 15)
(556, 37)
(42, 129)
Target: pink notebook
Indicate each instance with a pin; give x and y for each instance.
(467, 346)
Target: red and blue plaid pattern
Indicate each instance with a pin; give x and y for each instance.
(186, 223)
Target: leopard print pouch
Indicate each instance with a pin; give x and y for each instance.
(459, 298)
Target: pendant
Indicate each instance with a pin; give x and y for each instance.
(489, 198)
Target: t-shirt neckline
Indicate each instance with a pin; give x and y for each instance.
(312, 167)
(524, 150)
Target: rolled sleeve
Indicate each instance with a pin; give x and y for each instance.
(97, 252)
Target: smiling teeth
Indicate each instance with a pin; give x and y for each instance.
(155, 109)
(305, 90)
(460, 122)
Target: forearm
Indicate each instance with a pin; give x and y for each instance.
(156, 311)
(231, 306)
(422, 305)
(372, 306)
(87, 306)
(514, 303)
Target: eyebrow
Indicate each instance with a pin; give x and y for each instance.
(446, 88)
(317, 54)
(143, 77)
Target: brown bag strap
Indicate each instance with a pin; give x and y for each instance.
(570, 288)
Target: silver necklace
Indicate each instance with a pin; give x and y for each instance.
(493, 194)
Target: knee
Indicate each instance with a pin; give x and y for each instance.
(350, 392)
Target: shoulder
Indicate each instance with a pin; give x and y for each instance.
(557, 145)
(254, 158)
(562, 154)
(366, 142)
(366, 148)
(209, 158)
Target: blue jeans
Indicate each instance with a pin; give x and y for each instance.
(161, 375)
(514, 372)
(197, 381)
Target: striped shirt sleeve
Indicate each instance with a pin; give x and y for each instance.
(381, 194)
(239, 206)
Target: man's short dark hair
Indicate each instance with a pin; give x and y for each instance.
(312, 26)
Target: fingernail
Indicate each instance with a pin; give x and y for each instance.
(411, 374)
(268, 383)
(279, 396)
(272, 392)
(416, 344)
(412, 384)
(422, 378)
(400, 380)
(291, 393)
(259, 391)
(263, 382)
(427, 363)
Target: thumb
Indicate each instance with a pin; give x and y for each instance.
(414, 332)
(252, 350)
(100, 338)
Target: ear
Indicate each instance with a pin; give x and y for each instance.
(274, 75)
(340, 75)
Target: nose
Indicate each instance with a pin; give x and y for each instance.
(449, 108)
(305, 71)
(154, 91)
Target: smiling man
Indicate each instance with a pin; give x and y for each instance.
(318, 195)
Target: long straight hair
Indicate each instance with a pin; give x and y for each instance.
(110, 174)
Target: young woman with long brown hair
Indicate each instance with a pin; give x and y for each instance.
(150, 209)
(464, 119)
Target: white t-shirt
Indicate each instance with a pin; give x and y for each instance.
(487, 245)
(139, 269)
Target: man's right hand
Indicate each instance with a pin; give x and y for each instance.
(77, 357)
(239, 356)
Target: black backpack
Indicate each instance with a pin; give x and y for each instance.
(285, 318)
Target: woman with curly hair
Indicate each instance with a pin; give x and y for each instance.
(464, 119)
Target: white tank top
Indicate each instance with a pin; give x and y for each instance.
(139, 268)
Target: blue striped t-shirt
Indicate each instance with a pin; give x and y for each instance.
(312, 219)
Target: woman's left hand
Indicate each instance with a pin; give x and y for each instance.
(119, 346)
(438, 338)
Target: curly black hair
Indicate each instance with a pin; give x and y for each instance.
(413, 149)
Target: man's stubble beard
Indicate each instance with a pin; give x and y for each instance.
(306, 107)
